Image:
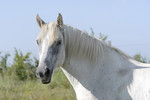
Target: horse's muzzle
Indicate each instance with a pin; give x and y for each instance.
(44, 75)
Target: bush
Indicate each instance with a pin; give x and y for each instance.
(22, 67)
(3, 63)
(139, 58)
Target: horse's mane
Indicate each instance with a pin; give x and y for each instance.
(79, 43)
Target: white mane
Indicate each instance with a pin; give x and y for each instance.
(78, 43)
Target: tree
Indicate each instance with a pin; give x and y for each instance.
(139, 58)
(92, 32)
(22, 66)
(36, 61)
(101, 36)
(3, 63)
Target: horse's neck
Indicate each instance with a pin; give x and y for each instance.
(80, 74)
(113, 71)
(84, 75)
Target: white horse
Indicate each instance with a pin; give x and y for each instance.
(96, 70)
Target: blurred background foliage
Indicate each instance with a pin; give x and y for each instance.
(18, 80)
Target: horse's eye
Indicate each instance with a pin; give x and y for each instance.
(58, 42)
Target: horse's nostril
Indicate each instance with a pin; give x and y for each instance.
(47, 71)
(41, 74)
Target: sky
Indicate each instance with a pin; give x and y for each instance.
(125, 22)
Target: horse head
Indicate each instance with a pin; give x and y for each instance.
(51, 48)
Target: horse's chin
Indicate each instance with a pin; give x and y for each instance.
(46, 82)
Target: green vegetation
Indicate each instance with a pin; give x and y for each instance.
(18, 81)
(59, 89)
(139, 58)
(102, 37)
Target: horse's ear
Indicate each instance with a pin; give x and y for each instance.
(59, 20)
(39, 21)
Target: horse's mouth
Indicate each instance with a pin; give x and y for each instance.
(46, 82)
(46, 79)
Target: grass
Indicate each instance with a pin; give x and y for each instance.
(59, 89)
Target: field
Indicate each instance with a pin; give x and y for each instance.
(59, 89)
